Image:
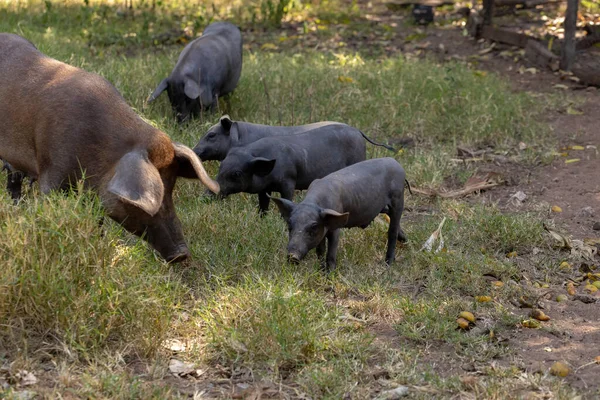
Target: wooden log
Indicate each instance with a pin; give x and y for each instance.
(539, 55)
(568, 50)
(526, 3)
(398, 5)
(505, 36)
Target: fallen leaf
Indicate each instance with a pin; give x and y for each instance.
(512, 254)
(468, 316)
(498, 284)
(559, 369)
(519, 196)
(25, 378)
(579, 248)
(577, 147)
(393, 394)
(596, 284)
(428, 245)
(531, 70)
(522, 145)
(560, 86)
(572, 160)
(564, 242)
(345, 79)
(539, 315)
(572, 111)
(556, 209)
(480, 73)
(268, 46)
(180, 368)
(175, 345)
(565, 265)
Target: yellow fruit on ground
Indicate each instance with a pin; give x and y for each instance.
(591, 288)
(559, 369)
(539, 315)
(483, 299)
(462, 323)
(530, 323)
(468, 316)
(571, 289)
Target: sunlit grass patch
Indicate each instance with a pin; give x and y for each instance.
(277, 325)
(67, 282)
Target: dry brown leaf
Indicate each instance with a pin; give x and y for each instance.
(564, 242)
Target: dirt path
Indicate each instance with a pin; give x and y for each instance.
(573, 186)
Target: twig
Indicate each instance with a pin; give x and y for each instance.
(456, 193)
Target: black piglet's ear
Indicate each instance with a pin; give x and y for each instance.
(226, 122)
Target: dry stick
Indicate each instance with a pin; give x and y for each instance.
(456, 193)
(568, 49)
(262, 78)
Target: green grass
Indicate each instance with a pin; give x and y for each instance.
(93, 300)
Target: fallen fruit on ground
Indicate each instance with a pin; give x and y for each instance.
(530, 323)
(571, 289)
(559, 369)
(556, 209)
(591, 288)
(462, 323)
(539, 315)
(483, 299)
(565, 265)
(468, 316)
(561, 298)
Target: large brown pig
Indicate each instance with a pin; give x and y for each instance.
(59, 123)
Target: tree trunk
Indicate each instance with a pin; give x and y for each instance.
(568, 49)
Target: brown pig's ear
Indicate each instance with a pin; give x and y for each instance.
(334, 220)
(190, 166)
(137, 182)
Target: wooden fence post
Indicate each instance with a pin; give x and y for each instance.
(488, 11)
(568, 49)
